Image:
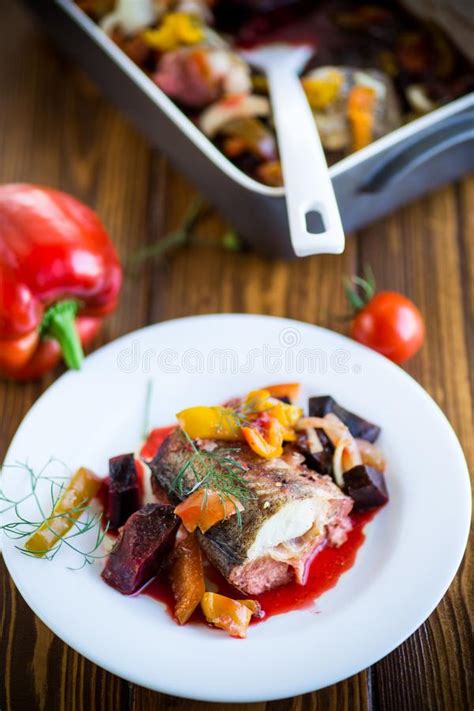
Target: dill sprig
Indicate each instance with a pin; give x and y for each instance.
(82, 517)
(215, 471)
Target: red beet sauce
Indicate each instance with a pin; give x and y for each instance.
(324, 571)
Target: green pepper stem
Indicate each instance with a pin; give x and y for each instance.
(59, 322)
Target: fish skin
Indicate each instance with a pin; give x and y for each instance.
(272, 483)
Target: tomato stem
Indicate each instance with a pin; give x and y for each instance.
(59, 322)
(357, 300)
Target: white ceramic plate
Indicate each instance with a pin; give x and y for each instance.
(413, 547)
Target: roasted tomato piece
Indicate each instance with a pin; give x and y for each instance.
(204, 508)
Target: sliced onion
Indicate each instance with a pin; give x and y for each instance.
(314, 443)
(231, 108)
(130, 16)
(418, 99)
(371, 455)
(346, 454)
(305, 423)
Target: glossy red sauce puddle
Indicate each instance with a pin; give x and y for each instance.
(324, 571)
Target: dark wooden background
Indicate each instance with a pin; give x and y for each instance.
(56, 129)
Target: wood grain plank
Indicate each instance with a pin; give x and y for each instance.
(423, 258)
(72, 140)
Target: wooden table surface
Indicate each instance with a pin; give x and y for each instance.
(56, 129)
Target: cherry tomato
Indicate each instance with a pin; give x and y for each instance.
(391, 324)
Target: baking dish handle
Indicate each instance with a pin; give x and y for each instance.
(455, 131)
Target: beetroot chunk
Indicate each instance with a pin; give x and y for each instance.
(358, 427)
(366, 486)
(124, 490)
(143, 543)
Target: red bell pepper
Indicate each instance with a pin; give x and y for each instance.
(59, 275)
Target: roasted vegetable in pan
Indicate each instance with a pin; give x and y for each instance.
(249, 135)
(376, 67)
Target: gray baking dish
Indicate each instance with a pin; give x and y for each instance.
(408, 162)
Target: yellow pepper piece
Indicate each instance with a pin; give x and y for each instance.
(287, 416)
(83, 486)
(210, 423)
(224, 423)
(177, 29)
(323, 91)
(257, 401)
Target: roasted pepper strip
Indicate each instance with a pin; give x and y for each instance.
(204, 508)
(233, 616)
(187, 578)
(83, 486)
(210, 423)
(268, 447)
(284, 390)
(224, 423)
(360, 110)
(257, 401)
(287, 416)
(177, 29)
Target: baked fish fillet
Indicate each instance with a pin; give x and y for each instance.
(292, 512)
